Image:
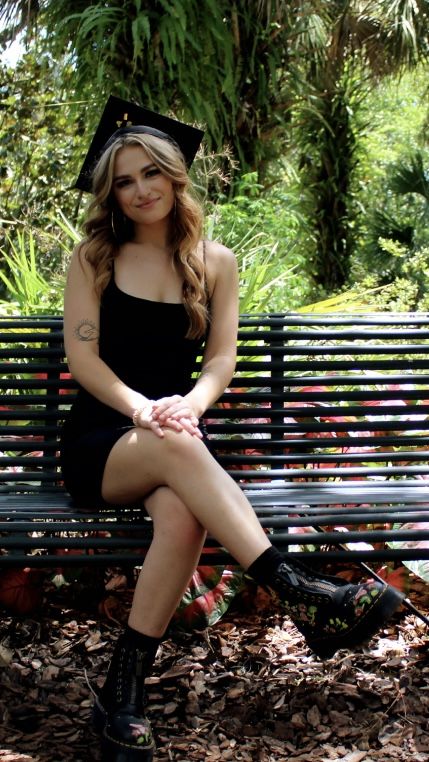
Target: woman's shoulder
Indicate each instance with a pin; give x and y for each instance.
(79, 258)
(220, 264)
(216, 252)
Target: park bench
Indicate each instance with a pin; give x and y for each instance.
(325, 427)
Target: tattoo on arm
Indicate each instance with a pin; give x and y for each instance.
(86, 330)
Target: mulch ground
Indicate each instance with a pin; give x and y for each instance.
(244, 689)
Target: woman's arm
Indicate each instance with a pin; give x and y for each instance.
(221, 345)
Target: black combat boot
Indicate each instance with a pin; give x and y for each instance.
(119, 708)
(330, 612)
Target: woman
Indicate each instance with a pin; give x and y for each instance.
(144, 295)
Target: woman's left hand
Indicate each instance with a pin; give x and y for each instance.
(178, 409)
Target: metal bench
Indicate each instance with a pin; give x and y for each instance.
(325, 427)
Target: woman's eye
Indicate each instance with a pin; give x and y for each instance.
(153, 172)
(122, 183)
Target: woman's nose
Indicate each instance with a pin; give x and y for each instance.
(141, 187)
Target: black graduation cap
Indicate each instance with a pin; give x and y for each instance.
(118, 116)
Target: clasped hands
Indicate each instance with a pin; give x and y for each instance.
(168, 412)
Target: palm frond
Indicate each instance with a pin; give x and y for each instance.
(411, 176)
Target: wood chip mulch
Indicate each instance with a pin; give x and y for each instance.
(244, 689)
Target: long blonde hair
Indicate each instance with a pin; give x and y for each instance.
(106, 229)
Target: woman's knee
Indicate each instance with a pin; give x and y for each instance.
(182, 445)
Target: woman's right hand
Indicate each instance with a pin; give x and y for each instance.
(176, 412)
(145, 418)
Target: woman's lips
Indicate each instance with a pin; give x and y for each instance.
(148, 204)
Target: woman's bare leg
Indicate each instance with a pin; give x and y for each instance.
(331, 613)
(140, 462)
(172, 557)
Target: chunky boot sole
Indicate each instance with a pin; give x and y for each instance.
(362, 631)
(114, 750)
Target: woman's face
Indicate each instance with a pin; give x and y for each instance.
(142, 192)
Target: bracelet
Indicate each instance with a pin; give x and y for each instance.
(137, 412)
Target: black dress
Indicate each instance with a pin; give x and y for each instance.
(144, 343)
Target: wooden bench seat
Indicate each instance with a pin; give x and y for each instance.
(325, 426)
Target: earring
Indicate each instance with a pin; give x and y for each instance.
(112, 225)
(121, 230)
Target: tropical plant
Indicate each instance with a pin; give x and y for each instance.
(396, 251)
(247, 70)
(39, 139)
(28, 292)
(34, 261)
(411, 176)
(262, 229)
(222, 64)
(345, 47)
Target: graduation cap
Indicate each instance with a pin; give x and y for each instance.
(119, 117)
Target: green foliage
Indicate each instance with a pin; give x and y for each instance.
(29, 292)
(39, 139)
(396, 113)
(343, 50)
(352, 300)
(395, 248)
(265, 77)
(262, 229)
(221, 64)
(34, 262)
(411, 176)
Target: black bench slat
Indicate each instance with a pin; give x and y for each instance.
(351, 457)
(25, 414)
(31, 337)
(295, 412)
(342, 492)
(26, 522)
(323, 397)
(8, 368)
(319, 443)
(352, 350)
(288, 365)
(27, 461)
(287, 334)
(336, 319)
(353, 379)
(338, 472)
(37, 352)
(38, 383)
(329, 426)
(10, 400)
(28, 432)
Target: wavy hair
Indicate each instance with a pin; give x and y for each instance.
(106, 228)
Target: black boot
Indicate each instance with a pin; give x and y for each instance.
(330, 612)
(119, 709)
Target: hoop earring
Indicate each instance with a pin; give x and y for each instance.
(121, 228)
(112, 225)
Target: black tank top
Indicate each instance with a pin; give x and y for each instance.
(144, 343)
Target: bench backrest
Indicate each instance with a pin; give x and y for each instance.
(314, 397)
